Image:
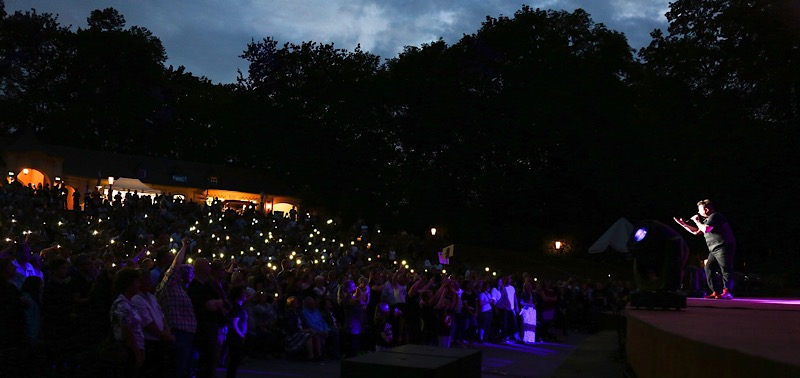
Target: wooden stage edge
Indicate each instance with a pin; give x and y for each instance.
(743, 337)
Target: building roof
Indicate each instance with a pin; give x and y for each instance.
(150, 170)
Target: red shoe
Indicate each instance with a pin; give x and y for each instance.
(725, 294)
(713, 295)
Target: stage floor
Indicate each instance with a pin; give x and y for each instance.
(738, 336)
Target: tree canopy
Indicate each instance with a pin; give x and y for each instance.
(541, 124)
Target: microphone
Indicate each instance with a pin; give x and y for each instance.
(698, 215)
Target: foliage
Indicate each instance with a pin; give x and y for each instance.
(538, 125)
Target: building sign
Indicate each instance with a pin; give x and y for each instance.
(177, 178)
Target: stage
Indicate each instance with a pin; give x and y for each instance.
(752, 337)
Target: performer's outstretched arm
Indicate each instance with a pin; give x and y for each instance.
(686, 226)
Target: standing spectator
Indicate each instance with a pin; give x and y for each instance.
(546, 300)
(469, 312)
(23, 265)
(383, 328)
(328, 314)
(157, 336)
(485, 315)
(126, 323)
(298, 335)
(508, 305)
(210, 310)
(178, 310)
(313, 319)
(528, 312)
(57, 302)
(237, 330)
(32, 300)
(353, 304)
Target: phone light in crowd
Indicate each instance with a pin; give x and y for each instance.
(353, 243)
(274, 267)
(252, 249)
(8, 239)
(433, 231)
(412, 271)
(310, 235)
(25, 171)
(395, 262)
(444, 271)
(558, 245)
(60, 223)
(113, 265)
(222, 255)
(369, 258)
(316, 262)
(227, 237)
(406, 266)
(95, 232)
(189, 260)
(404, 262)
(258, 254)
(323, 239)
(57, 178)
(240, 252)
(494, 273)
(309, 243)
(299, 262)
(369, 245)
(487, 269)
(329, 221)
(609, 276)
(112, 241)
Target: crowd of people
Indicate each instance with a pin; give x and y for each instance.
(159, 286)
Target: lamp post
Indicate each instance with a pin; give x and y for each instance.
(110, 194)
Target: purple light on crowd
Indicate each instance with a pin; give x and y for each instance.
(639, 235)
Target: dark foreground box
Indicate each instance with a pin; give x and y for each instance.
(410, 361)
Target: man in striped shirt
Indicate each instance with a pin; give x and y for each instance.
(178, 310)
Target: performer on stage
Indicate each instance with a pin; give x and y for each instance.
(721, 247)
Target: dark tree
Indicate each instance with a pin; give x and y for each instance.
(33, 52)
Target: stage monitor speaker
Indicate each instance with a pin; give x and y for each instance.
(659, 258)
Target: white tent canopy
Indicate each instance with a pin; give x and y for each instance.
(615, 237)
(123, 184)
